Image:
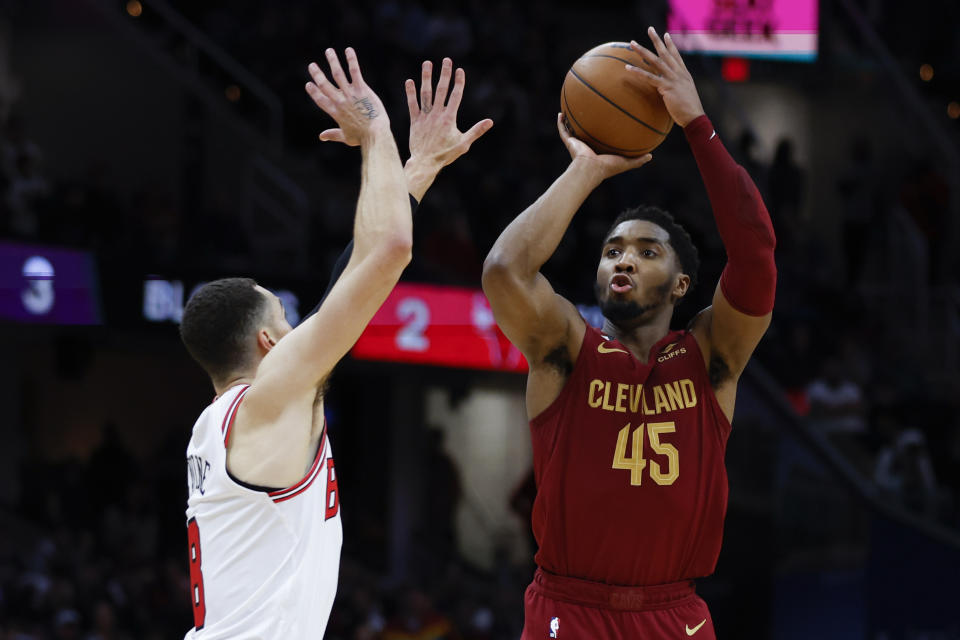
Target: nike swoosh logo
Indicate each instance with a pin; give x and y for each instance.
(604, 349)
(712, 136)
(690, 631)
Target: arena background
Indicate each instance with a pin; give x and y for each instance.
(150, 147)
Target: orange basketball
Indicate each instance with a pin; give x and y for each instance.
(608, 112)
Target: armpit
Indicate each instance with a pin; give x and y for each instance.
(559, 359)
(719, 371)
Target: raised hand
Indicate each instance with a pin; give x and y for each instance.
(435, 140)
(606, 165)
(349, 101)
(672, 80)
(433, 122)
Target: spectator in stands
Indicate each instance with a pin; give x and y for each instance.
(836, 402)
(904, 471)
(105, 623)
(418, 620)
(786, 185)
(858, 192)
(27, 192)
(838, 409)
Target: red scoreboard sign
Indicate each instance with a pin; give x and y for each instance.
(448, 326)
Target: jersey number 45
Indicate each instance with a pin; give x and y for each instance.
(635, 463)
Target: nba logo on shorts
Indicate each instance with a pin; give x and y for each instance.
(554, 627)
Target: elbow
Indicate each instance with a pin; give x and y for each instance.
(389, 254)
(501, 280)
(398, 250)
(496, 270)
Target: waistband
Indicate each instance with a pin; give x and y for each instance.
(606, 596)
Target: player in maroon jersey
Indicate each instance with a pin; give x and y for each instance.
(629, 424)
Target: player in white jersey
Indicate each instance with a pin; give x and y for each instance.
(263, 512)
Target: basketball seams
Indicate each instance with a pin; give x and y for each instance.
(614, 104)
(607, 55)
(599, 93)
(580, 127)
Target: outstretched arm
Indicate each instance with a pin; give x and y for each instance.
(743, 301)
(545, 326)
(382, 235)
(435, 140)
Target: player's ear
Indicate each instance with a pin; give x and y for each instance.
(265, 341)
(680, 287)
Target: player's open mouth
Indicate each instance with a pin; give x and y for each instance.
(621, 283)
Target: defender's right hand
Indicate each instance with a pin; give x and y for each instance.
(356, 108)
(604, 165)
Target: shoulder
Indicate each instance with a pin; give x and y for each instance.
(717, 364)
(561, 356)
(218, 414)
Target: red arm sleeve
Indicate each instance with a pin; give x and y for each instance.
(749, 280)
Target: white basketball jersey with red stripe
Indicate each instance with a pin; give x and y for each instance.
(263, 563)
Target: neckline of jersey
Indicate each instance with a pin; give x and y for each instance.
(653, 349)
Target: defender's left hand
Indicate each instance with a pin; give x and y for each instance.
(434, 136)
(672, 80)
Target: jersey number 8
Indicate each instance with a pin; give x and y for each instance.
(196, 575)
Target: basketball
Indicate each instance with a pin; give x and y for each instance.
(606, 110)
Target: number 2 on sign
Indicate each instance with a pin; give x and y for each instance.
(416, 314)
(635, 463)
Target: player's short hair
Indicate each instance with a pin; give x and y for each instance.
(680, 240)
(218, 322)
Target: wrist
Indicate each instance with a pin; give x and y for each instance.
(693, 117)
(422, 165)
(588, 169)
(420, 173)
(378, 130)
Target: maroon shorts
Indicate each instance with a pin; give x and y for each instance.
(572, 609)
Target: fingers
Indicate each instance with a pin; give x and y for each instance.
(321, 83)
(459, 79)
(332, 135)
(319, 98)
(649, 57)
(651, 78)
(672, 48)
(562, 127)
(477, 130)
(428, 99)
(662, 52)
(336, 71)
(566, 134)
(642, 160)
(443, 84)
(426, 91)
(353, 65)
(657, 42)
(410, 87)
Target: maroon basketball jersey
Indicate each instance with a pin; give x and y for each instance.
(631, 483)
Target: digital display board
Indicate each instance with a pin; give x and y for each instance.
(164, 299)
(438, 325)
(418, 323)
(781, 29)
(47, 285)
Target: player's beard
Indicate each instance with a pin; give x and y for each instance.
(630, 312)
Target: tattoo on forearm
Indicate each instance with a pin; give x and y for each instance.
(366, 108)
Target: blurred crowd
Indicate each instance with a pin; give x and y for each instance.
(96, 551)
(96, 565)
